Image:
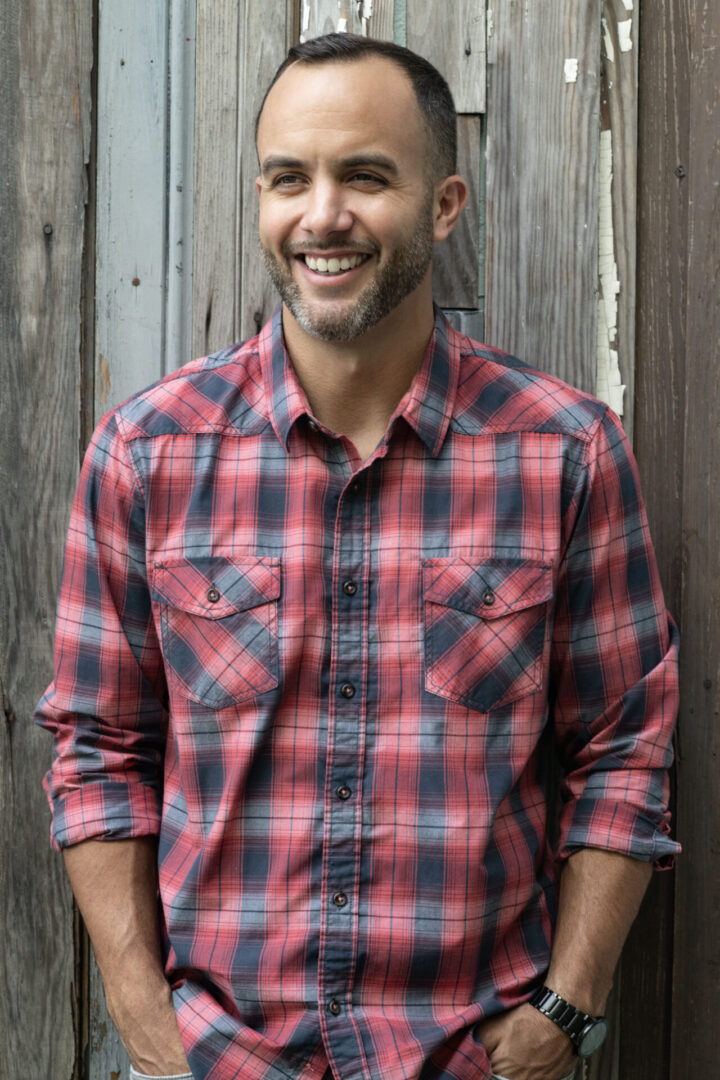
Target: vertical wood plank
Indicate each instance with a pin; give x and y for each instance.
(664, 68)
(454, 44)
(455, 264)
(696, 998)
(542, 199)
(131, 190)
(263, 32)
(182, 17)
(216, 227)
(371, 18)
(46, 56)
(616, 308)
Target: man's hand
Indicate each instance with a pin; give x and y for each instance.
(522, 1044)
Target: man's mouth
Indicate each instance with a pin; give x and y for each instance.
(334, 266)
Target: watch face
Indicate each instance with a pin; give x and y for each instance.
(592, 1038)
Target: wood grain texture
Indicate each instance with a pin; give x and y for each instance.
(131, 196)
(263, 32)
(664, 75)
(542, 207)
(455, 264)
(455, 43)
(696, 998)
(619, 116)
(45, 125)
(371, 19)
(216, 229)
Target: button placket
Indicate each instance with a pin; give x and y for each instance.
(346, 569)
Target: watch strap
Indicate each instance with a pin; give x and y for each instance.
(569, 1019)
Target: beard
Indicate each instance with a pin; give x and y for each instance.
(392, 282)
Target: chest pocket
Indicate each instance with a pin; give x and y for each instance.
(485, 629)
(219, 625)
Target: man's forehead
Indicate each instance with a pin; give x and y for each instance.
(371, 89)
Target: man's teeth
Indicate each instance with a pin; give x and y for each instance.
(334, 266)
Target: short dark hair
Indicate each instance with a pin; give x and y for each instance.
(432, 92)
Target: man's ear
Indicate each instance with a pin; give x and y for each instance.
(450, 198)
(258, 184)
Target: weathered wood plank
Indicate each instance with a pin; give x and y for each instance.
(618, 209)
(216, 228)
(455, 44)
(45, 125)
(542, 202)
(263, 34)
(696, 997)
(455, 264)
(371, 18)
(131, 198)
(664, 69)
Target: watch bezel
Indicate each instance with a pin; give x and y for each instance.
(595, 1033)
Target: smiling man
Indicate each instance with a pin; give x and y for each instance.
(333, 600)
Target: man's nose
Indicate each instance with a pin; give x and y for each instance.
(326, 209)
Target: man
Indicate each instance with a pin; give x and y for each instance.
(332, 601)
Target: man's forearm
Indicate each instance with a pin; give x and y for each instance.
(115, 885)
(600, 893)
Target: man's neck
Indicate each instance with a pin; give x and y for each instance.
(354, 386)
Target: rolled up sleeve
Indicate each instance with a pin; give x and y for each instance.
(105, 706)
(614, 665)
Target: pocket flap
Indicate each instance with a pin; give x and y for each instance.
(488, 589)
(215, 586)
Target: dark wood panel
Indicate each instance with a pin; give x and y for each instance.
(45, 64)
(696, 996)
(658, 440)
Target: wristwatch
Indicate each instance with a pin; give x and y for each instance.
(587, 1033)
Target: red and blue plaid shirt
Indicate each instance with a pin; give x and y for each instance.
(334, 688)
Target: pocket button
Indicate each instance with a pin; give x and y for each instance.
(213, 595)
(489, 597)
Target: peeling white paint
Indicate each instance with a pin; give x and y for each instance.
(624, 31)
(608, 384)
(571, 70)
(342, 26)
(306, 16)
(490, 23)
(367, 9)
(609, 50)
(628, 5)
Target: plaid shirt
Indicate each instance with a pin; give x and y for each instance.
(334, 689)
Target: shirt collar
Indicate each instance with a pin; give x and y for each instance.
(427, 405)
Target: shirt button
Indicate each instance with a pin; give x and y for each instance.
(347, 690)
(489, 597)
(340, 899)
(343, 792)
(350, 588)
(355, 487)
(213, 595)
(334, 1007)
(312, 425)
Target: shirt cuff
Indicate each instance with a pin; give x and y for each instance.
(616, 826)
(103, 811)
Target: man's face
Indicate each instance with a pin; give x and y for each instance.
(346, 205)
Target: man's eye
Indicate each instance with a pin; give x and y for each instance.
(368, 178)
(286, 180)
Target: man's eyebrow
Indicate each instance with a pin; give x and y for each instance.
(277, 161)
(378, 161)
